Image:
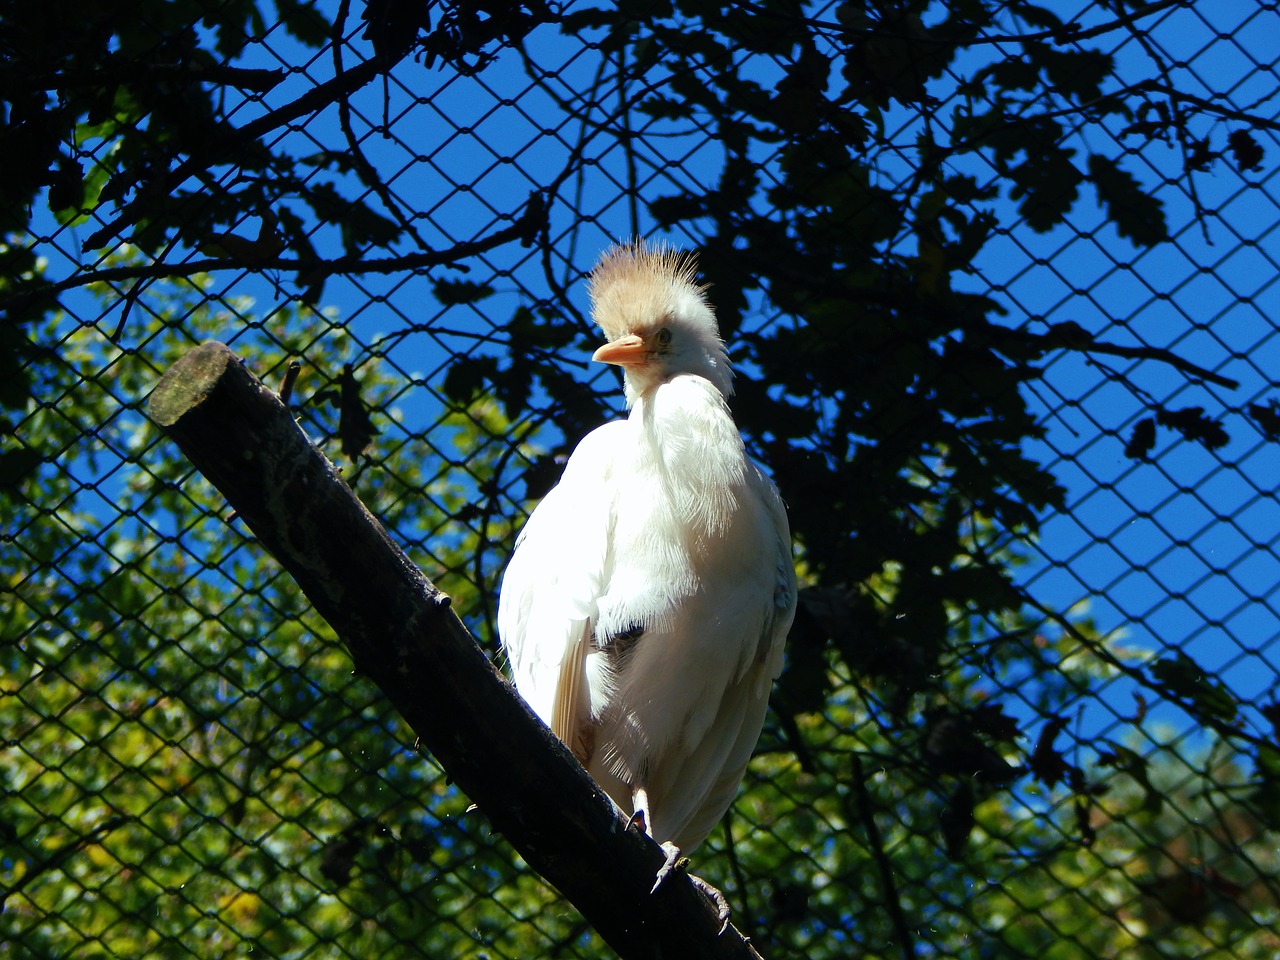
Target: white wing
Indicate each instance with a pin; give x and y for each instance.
(551, 586)
(691, 701)
(725, 755)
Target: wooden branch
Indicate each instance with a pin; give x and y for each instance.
(401, 633)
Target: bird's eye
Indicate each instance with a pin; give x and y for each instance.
(664, 337)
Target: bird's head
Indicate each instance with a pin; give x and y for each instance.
(657, 319)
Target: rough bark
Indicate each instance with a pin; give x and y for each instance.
(402, 634)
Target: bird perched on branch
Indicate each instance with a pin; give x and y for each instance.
(645, 608)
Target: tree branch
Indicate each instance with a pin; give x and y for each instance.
(401, 633)
(313, 101)
(1067, 33)
(366, 170)
(875, 844)
(118, 69)
(37, 868)
(527, 224)
(1069, 335)
(1208, 106)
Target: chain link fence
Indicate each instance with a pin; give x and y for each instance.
(191, 769)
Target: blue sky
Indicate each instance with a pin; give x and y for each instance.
(1179, 553)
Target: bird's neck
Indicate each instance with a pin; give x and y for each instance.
(690, 441)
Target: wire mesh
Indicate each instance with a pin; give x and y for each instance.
(191, 770)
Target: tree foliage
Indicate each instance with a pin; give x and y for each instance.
(183, 722)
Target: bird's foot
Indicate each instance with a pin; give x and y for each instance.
(717, 898)
(671, 864)
(676, 861)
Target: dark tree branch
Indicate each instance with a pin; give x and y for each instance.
(368, 173)
(36, 869)
(1184, 138)
(349, 265)
(1135, 672)
(313, 101)
(1208, 106)
(1069, 335)
(119, 69)
(884, 866)
(402, 634)
(1067, 33)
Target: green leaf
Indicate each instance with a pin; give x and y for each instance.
(578, 21)
(1141, 440)
(67, 192)
(1245, 150)
(355, 428)
(1036, 16)
(528, 328)
(1135, 765)
(304, 21)
(359, 224)
(452, 293)
(672, 209)
(1266, 793)
(1208, 698)
(1046, 762)
(340, 160)
(1194, 424)
(1077, 73)
(1267, 418)
(467, 377)
(956, 819)
(666, 108)
(17, 465)
(1014, 73)
(1137, 214)
(392, 26)
(1048, 184)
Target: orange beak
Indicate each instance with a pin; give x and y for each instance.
(627, 351)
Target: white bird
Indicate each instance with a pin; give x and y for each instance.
(646, 605)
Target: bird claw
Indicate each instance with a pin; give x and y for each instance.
(671, 864)
(674, 861)
(716, 897)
